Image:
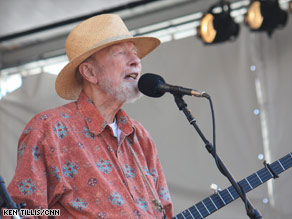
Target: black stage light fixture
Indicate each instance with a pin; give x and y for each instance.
(218, 27)
(265, 15)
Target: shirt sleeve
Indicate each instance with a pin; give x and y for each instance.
(163, 191)
(161, 186)
(155, 169)
(31, 183)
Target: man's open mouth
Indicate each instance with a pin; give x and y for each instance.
(132, 75)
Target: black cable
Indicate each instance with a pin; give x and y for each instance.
(251, 212)
(214, 137)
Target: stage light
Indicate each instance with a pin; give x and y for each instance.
(219, 26)
(265, 15)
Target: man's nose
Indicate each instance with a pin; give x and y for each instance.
(134, 60)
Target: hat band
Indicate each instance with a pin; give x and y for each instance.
(115, 38)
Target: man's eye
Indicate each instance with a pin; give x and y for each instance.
(121, 52)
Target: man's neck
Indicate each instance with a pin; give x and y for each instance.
(106, 105)
(108, 109)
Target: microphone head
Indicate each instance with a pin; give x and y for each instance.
(148, 85)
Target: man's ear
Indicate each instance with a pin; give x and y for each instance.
(88, 72)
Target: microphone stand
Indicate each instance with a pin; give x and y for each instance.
(7, 202)
(251, 211)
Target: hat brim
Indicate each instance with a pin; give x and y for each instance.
(66, 84)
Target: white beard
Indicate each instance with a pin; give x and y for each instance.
(127, 92)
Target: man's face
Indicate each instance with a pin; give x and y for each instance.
(119, 70)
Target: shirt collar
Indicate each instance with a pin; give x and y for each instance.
(94, 120)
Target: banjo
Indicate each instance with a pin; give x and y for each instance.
(218, 200)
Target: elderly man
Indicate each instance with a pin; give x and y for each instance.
(88, 158)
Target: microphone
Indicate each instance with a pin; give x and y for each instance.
(153, 85)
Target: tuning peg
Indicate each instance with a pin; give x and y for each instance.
(215, 188)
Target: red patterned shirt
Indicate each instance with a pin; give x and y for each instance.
(69, 159)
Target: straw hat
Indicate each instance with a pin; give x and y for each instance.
(89, 37)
